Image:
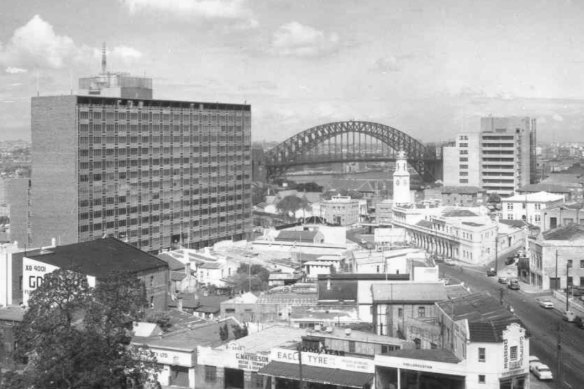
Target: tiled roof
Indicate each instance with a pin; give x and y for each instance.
(321, 375)
(424, 223)
(487, 318)
(434, 355)
(513, 223)
(177, 275)
(569, 232)
(449, 212)
(100, 257)
(409, 292)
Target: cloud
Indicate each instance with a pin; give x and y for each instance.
(206, 9)
(295, 39)
(36, 45)
(15, 70)
(558, 117)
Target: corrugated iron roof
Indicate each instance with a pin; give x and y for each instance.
(408, 292)
(321, 375)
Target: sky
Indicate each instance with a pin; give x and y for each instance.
(428, 68)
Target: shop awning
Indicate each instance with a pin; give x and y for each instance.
(321, 375)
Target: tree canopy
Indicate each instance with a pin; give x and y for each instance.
(76, 336)
(290, 204)
(255, 277)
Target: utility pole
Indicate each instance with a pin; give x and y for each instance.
(496, 248)
(567, 286)
(559, 353)
(301, 379)
(557, 281)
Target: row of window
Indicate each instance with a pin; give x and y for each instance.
(157, 115)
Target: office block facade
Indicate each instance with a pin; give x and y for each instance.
(500, 159)
(155, 173)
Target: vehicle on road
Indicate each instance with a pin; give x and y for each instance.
(579, 321)
(513, 284)
(569, 316)
(541, 371)
(533, 360)
(510, 260)
(547, 304)
(503, 280)
(491, 272)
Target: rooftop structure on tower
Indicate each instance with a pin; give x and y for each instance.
(115, 84)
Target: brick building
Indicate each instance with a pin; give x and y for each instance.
(156, 173)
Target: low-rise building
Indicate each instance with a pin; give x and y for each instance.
(341, 210)
(98, 259)
(555, 260)
(562, 215)
(478, 344)
(463, 196)
(529, 206)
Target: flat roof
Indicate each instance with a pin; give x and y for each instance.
(409, 292)
(125, 102)
(434, 355)
(271, 337)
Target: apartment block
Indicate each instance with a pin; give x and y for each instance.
(154, 173)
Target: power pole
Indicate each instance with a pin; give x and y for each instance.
(301, 383)
(559, 354)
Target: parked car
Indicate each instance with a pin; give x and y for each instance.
(509, 260)
(541, 371)
(533, 360)
(503, 280)
(491, 272)
(569, 316)
(546, 304)
(513, 284)
(579, 321)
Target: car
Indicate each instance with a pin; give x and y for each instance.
(513, 285)
(509, 260)
(491, 272)
(547, 304)
(503, 280)
(569, 316)
(533, 360)
(541, 371)
(579, 322)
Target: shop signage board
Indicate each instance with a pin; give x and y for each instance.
(173, 358)
(363, 365)
(233, 359)
(33, 274)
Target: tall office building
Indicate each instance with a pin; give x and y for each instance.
(500, 159)
(153, 172)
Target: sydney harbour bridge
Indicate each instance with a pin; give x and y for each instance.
(353, 141)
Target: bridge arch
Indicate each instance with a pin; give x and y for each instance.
(290, 152)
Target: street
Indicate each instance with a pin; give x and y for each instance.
(545, 326)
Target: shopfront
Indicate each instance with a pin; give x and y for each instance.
(288, 368)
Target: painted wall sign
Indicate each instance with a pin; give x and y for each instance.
(364, 365)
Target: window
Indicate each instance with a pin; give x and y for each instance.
(569, 263)
(482, 354)
(482, 379)
(257, 381)
(421, 311)
(509, 206)
(351, 346)
(464, 166)
(210, 373)
(400, 312)
(582, 265)
(384, 349)
(513, 353)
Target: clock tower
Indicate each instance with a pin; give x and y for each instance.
(401, 180)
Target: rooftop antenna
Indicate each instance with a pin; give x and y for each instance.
(103, 59)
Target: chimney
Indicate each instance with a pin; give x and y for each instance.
(53, 242)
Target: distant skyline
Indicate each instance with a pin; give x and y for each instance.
(428, 68)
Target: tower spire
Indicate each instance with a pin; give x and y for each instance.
(103, 59)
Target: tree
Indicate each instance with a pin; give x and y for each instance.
(224, 332)
(245, 277)
(239, 331)
(75, 336)
(290, 204)
(308, 187)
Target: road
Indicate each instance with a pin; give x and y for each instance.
(542, 324)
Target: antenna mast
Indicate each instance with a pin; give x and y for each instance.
(103, 59)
